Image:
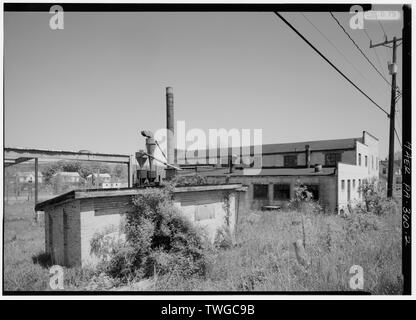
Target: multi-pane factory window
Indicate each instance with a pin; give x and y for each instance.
(290, 160)
(282, 191)
(260, 191)
(331, 159)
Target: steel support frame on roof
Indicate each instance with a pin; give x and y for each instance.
(14, 156)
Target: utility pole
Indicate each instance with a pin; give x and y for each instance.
(393, 71)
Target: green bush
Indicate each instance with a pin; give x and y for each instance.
(192, 180)
(158, 240)
(303, 201)
(375, 198)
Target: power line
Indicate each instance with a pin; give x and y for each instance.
(377, 56)
(327, 60)
(359, 49)
(334, 46)
(384, 32)
(397, 136)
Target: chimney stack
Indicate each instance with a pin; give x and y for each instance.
(170, 126)
(308, 156)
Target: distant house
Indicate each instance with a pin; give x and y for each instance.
(28, 177)
(99, 180)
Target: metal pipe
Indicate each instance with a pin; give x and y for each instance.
(163, 162)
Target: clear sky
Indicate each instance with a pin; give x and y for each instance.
(99, 81)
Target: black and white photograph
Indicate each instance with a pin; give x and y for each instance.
(205, 148)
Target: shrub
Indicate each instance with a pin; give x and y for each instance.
(195, 179)
(105, 243)
(303, 201)
(158, 240)
(374, 197)
(44, 259)
(223, 238)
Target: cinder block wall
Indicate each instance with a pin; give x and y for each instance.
(70, 226)
(208, 210)
(96, 220)
(62, 233)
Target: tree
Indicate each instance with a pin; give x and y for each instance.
(50, 170)
(119, 172)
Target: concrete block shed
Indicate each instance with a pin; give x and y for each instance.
(72, 219)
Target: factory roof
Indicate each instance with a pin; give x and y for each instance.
(102, 175)
(65, 173)
(275, 148)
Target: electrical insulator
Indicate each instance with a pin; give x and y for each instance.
(392, 68)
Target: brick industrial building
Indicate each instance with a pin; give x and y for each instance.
(333, 171)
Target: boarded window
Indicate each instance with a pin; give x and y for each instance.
(290, 161)
(282, 191)
(260, 191)
(204, 212)
(332, 158)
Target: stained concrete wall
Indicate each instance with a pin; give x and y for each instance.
(277, 160)
(209, 210)
(62, 233)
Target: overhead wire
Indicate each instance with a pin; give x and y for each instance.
(329, 62)
(358, 48)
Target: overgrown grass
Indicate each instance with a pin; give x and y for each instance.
(23, 239)
(26, 266)
(263, 258)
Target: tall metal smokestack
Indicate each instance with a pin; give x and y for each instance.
(170, 126)
(308, 156)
